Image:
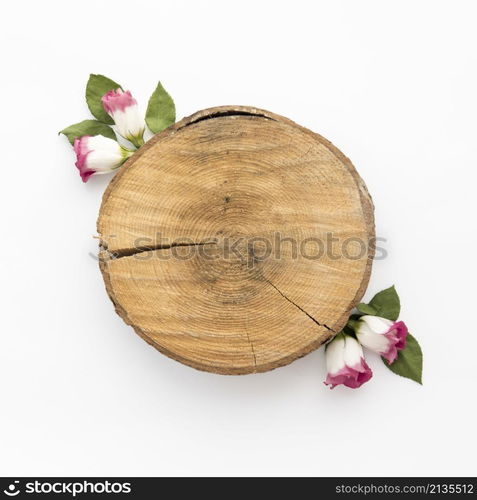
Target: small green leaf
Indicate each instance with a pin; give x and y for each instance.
(386, 304)
(96, 87)
(366, 309)
(409, 361)
(161, 111)
(88, 127)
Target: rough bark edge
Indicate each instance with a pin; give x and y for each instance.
(368, 214)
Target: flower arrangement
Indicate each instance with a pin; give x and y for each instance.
(375, 327)
(104, 144)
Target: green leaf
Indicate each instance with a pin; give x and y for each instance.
(161, 111)
(96, 87)
(88, 127)
(386, 304)
(366, 309)
(409, 361)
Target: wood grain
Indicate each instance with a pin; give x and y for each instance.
(225, 176)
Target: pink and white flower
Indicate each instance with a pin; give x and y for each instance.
(123, 109)
(345, 363)
(98, 155)
(382, 335)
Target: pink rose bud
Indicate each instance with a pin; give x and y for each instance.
(123, 109)
(345, 363)
(98, 155)
(382, 335)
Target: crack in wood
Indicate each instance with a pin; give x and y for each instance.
(253, 350)
(128, 252)
(324, 325)
(221, 114)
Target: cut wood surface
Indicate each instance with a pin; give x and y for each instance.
(236, 241)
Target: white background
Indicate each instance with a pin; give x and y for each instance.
(392, 84)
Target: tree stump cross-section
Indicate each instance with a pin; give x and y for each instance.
(236, 241)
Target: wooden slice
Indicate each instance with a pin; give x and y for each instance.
(236, 241)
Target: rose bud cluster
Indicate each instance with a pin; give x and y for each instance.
(345, 361)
